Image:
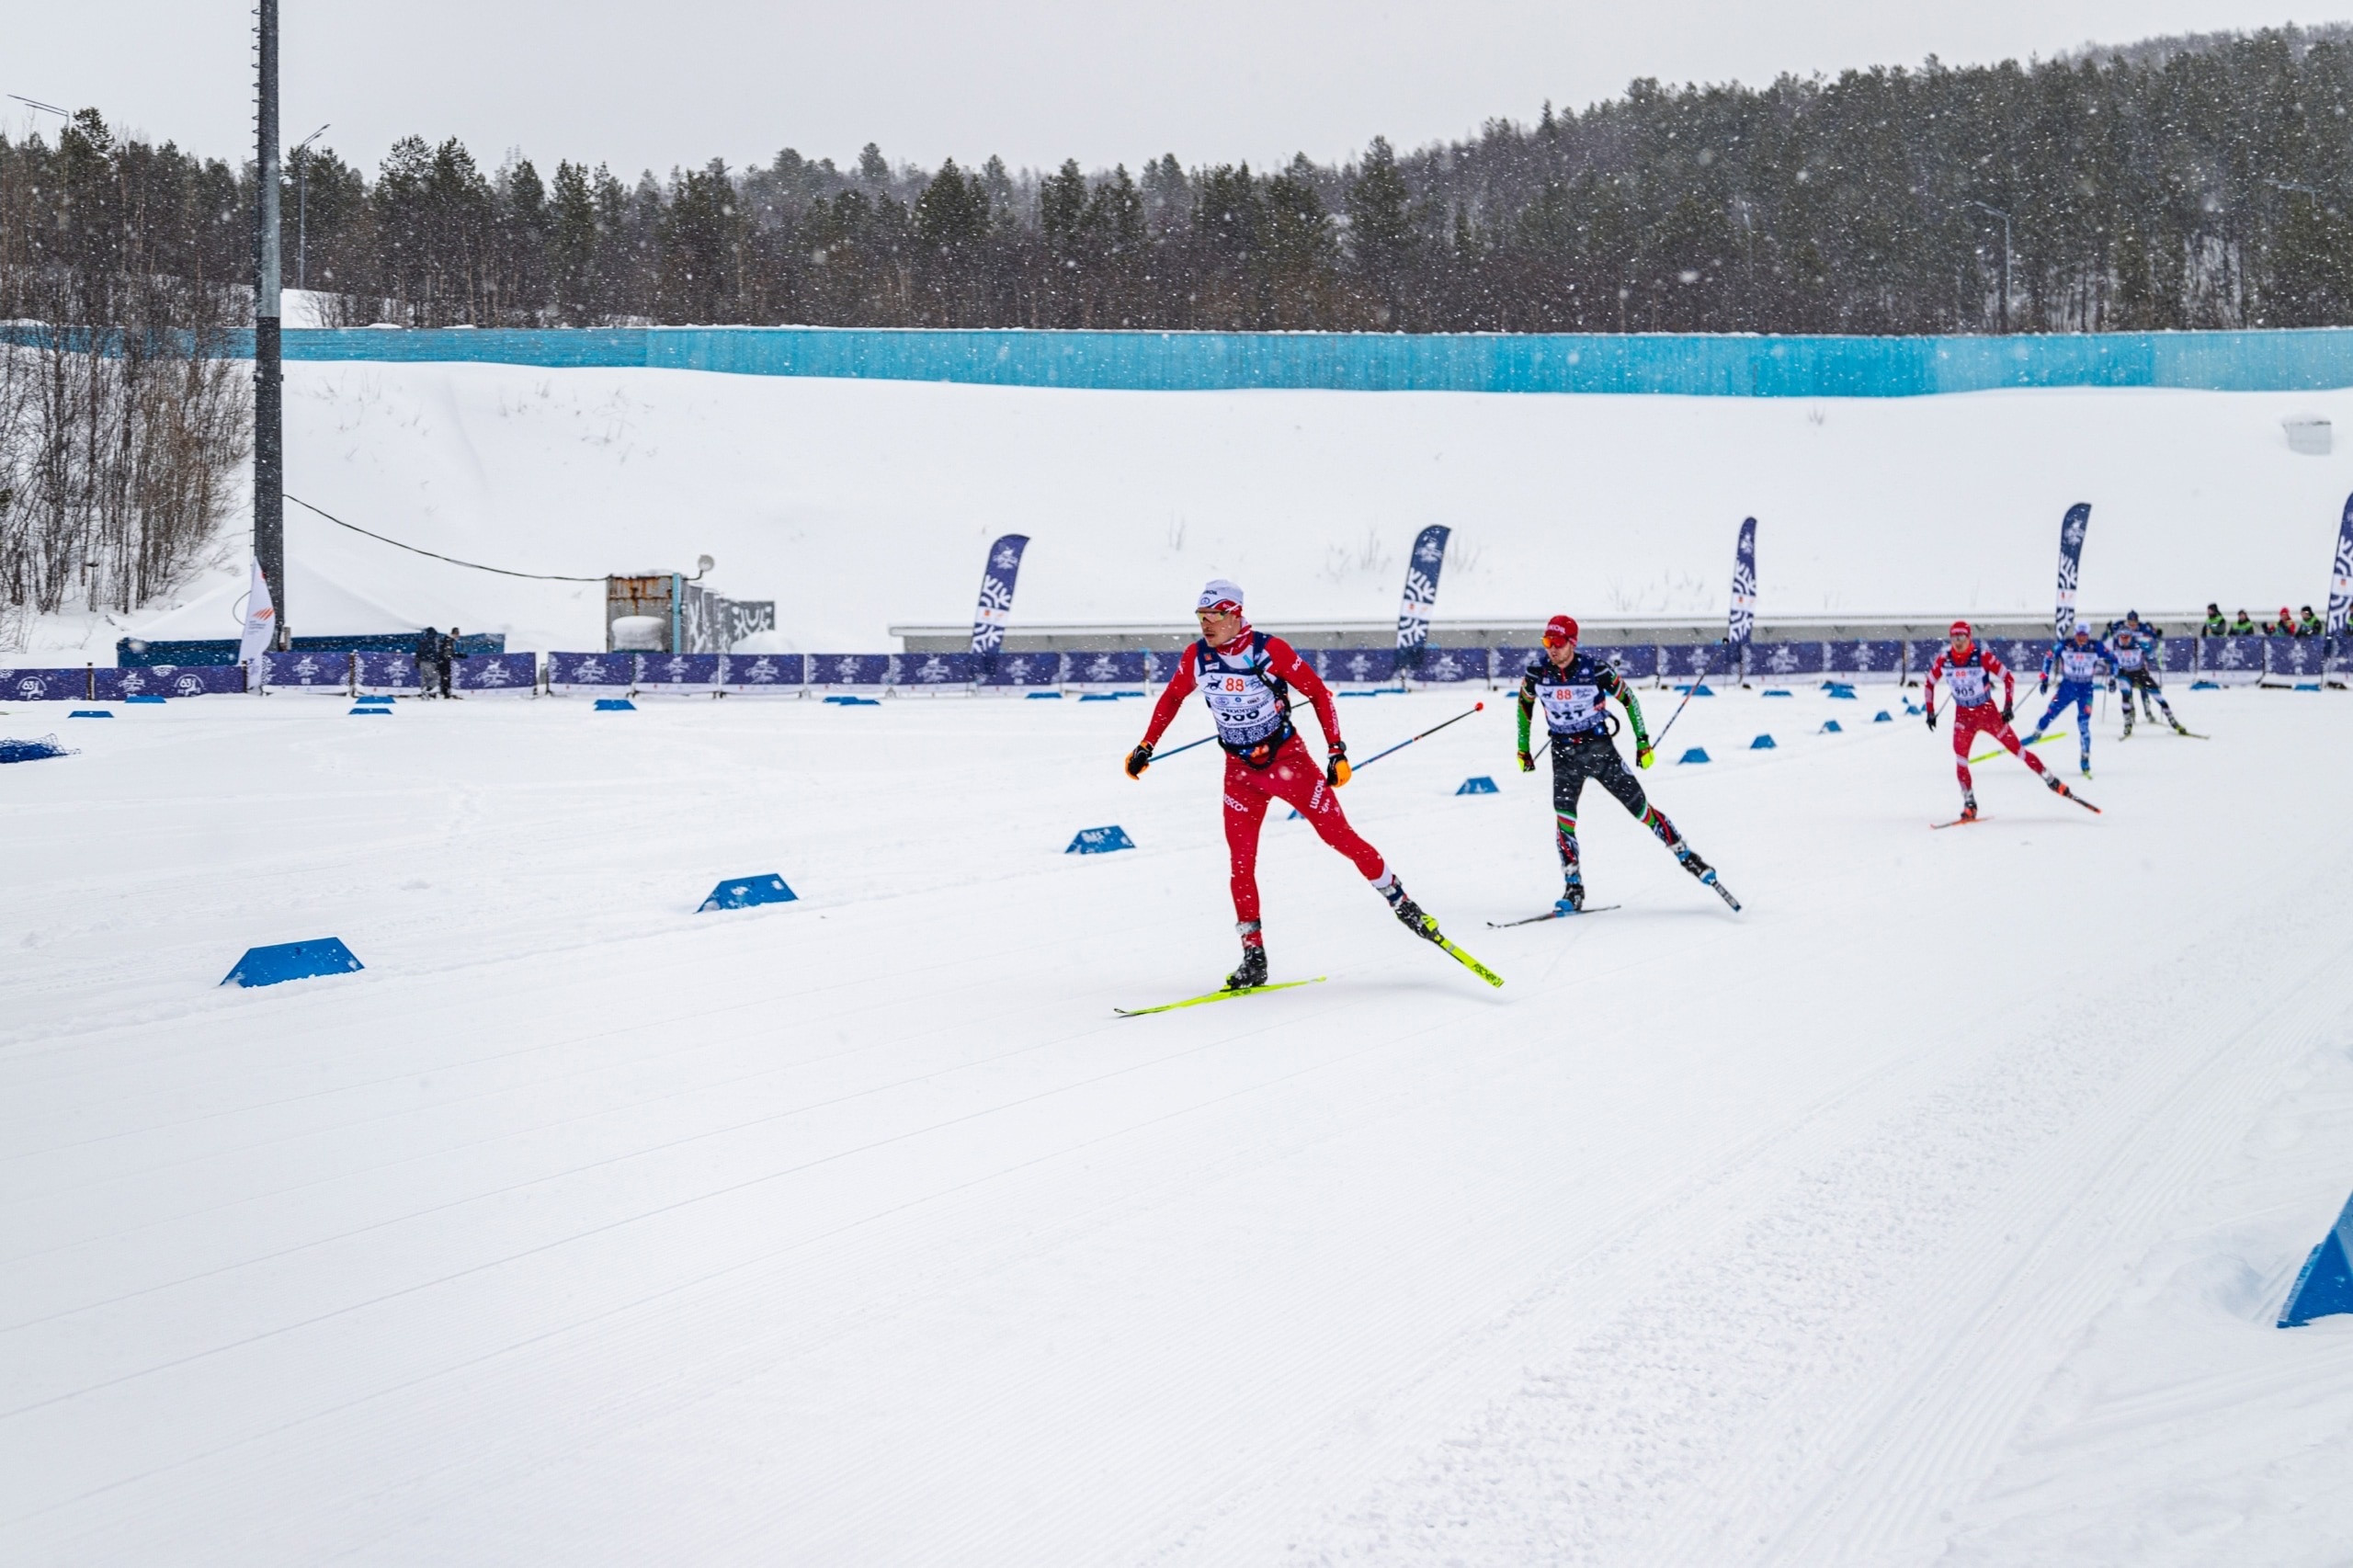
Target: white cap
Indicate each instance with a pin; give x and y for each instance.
(1219, 590)
(2083, 626)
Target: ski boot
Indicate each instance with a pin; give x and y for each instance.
(1705, 872)
(1968, 808)
(1572, 899)
(1409, 913)
(1251, 973)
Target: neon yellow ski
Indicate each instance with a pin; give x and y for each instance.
(1220, 997)
(1467, 962)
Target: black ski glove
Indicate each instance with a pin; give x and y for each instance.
(2007, 712)
(1932, 718)
(1139, 759)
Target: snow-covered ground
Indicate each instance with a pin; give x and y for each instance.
(860, 504)
(1936, 1209)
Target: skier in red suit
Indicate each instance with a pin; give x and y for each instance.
(1247, 678)
(1971, 669)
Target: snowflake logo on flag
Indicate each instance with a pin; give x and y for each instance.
(1007, 559)
(2072, 531)
(1429, 551)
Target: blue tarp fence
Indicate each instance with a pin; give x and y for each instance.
(1700, 365)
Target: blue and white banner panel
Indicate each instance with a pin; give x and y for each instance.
(1879, 659)
(517, 673)
(684, 674)
(849, 669)
(1354, 666)
(1706, 660)
(2231, 661)
(170, 680)
(1103, 669)
(2293, 658)
(1785, 661)
(751, 673)
(1024, 671)
(937, 672)
(384, 672)
(1921, 652)
(2023, 654)
(591, 672)
(1440, 665)
(2178, 655)
(326, 673)
(1632, 661)
(46, 685)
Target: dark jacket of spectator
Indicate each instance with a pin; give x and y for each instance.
(2216, 625)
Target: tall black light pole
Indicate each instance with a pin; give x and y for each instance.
(269, 389)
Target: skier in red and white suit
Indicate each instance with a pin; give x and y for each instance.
(1971, 669)
(1246, 677)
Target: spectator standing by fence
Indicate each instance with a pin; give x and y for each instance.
(2309, 625)
(2216, 625)
(450, 654)
(429, 661)
(2243, 627)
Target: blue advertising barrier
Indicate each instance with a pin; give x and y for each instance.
(1784, 660)
(940, 671)
(2326, 1286)
(762, 672)
(2231, 661)
(292, 960)
(384, 672)
(1632, 662)
(2292, 658)
(696, 672)
(1702, 659)
(152, 685)
(1100, 841)
(849, 669)
(2178, 655)
(1021, 671)
(745, 891)
(2023, 654)
(306, 671)
(1879, 659)
(1103, 668)
(47, 685)
(517, 673)
(1445, 665)
(1918, 655)
(606, 671)
(1354, 666)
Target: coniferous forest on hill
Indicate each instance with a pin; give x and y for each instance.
(2201, 182)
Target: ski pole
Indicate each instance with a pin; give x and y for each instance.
(1188, 745)
(1401, 745)
(1697, 681)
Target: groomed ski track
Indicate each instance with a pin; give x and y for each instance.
(1933, 1209)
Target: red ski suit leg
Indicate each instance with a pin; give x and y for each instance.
(1294, 779)
(1968, 723)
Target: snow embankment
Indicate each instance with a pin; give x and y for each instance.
(861, 505)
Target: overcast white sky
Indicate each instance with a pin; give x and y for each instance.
(657, 84)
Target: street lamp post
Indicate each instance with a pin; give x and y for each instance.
(301, 155)
(2005, 260)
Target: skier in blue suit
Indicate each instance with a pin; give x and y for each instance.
(2077, 663)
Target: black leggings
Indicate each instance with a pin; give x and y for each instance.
(1593, 757)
